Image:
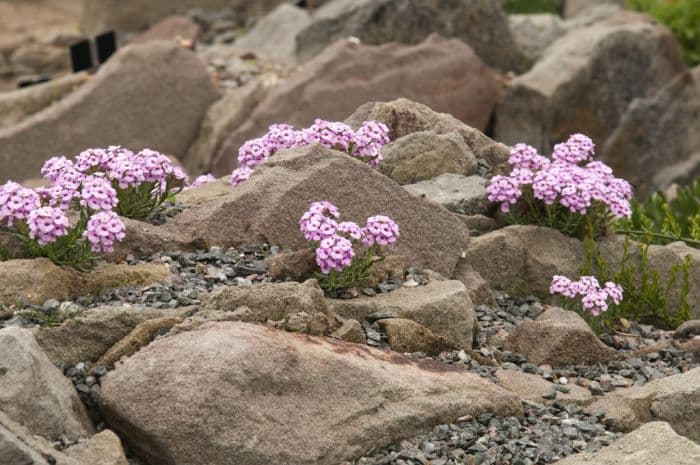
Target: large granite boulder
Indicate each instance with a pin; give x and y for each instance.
(444, 307)
(521, 259)
(653, 443)
(403, 117)
(152, 95)
(480, 23)
(586, 80)
(267, 207)
(652, 151)
(241, 393)
(35, 393)
(675, 400)
(444, 74)
(423, 155)
(558, 337)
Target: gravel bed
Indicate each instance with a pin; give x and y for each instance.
(544, 435)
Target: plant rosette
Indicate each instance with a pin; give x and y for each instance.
(587, 297)
(345, 252)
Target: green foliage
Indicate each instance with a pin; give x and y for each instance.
(533, 211)
(660, 221)
(139, 202)
(350, 276)
(68, 250)
(682, 17)
(531, 6)
(647, 298)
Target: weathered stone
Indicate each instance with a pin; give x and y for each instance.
(221, 119)
(350, 331)
(586, 80)
(533, 33)
(20, 104)
(424, 155)
(478, 289)
(431, 237)
(34, 281)
(653, 443)
(19, 447)
(481, 223)
(652, 152)
(480, 23)
(295, 265)
(558, 337)
(274, 35)
(391, 267)
(111, 275)
(143, 239)
(139, 337)
(172, 28)
(521, 260)
(441, 306)
(134, 15)
(38, 279)
(317, 324)
(576, 7)
(408, 336)
(535, 388)
(127, 95)
(442, 73)
(336, 395)
(269, 301)
(675, 400)
(403, 117)
(86, 337)
(40, 58)
(104, 448)
(35, 393)
(459, 194)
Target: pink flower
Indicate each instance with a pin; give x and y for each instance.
(316, 227)
(254, 152)
(46, 224)
(380, 230)
(240, 174)
(505, 190)
(202, 180)
(17, 202)
(593, 298)
(98, 194)
(351, 229)
(104, 229)
(334, 253)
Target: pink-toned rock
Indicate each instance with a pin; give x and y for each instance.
(298, 399)
(267, 208)
(150, 95)
(170, 28)
(559, 337)
(444, 74)
(586, 80)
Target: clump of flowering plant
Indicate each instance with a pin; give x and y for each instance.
(43, 221)
(587, 296)
(345, 252)
(570, 192)
(141, 181)
(364, 144)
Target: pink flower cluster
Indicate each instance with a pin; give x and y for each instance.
(365, 144)
(570, 179)
(594, 298)
(119, 166)
(98, 194)
(46, 224)
(104, 229)
(335, 240)
(17, 202)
